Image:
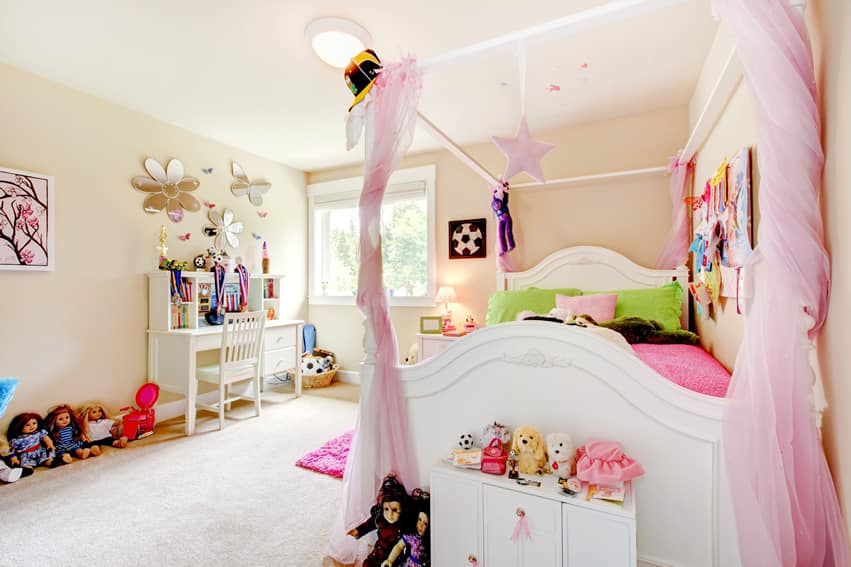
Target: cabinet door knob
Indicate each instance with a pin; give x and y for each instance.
(472, 559)
(520, 512)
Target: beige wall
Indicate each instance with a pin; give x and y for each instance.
(630, 216)
(78, 333)
(830, 22)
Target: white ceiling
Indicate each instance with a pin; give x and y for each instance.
(241, 72)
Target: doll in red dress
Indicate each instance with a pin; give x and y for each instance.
(386, 517)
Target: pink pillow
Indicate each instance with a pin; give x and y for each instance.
(600, 306)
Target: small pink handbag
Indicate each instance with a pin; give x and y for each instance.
(494, 458)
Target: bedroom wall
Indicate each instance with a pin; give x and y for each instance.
(78, 333)
(630, 216)
(829, 22)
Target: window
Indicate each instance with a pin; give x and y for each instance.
(407, 237)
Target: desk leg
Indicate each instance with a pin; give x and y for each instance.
(191, 390)
(299, 349)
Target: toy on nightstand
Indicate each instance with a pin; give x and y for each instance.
(139, 422)
(561, 453)
(388, 517)
(531, 452)
(30, 442)
(63, 424)
(415, 543)
(469, 324)
(99, 429)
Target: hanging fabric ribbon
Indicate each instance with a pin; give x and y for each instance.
(521, 527)
(675, 252)
(243, 287)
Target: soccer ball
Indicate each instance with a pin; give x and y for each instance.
(314, 365)
(467, 239)
(465, 441)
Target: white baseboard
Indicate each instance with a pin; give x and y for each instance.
(348, 376)
(177, 408)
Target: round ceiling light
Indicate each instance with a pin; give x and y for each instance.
(336, 40)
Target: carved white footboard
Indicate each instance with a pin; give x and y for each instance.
(560, 378)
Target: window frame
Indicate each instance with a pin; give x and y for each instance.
(343, 190)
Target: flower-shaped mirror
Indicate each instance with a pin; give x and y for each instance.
(243, 186)
(223, 228)
(168, 189)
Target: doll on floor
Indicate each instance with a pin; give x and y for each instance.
(387, 516)
(99, 429)
(31, 445)
(415, 542)
(64, 427)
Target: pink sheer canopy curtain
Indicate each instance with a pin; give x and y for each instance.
(675, 252)
(380, 444)
(785, 503)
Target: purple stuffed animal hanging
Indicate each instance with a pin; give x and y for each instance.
(499, 204)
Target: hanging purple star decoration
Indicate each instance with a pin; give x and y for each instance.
(523, 153)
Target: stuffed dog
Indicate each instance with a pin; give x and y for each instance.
(531, 453)
(561, 453)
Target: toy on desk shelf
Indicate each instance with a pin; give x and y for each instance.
(388, 517)
(31, 444)
(139, 422)
(99, 429)
(264, 262)
(561, 453)
(531, 452)
(416, 542)
(63, 424)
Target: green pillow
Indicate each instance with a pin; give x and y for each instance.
(663, 304)
(505, 305)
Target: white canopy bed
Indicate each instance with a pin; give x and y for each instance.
(564, 379)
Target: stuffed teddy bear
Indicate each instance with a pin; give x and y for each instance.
(531, 453)
(638, 330)
(413, 355)
(561, 453)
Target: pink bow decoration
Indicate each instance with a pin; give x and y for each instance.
(522, 526)
(604, 462)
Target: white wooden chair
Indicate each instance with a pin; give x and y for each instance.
(242, 347)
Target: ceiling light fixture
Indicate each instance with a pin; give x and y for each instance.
(336, 40)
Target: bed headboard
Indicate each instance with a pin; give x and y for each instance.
(597, 269)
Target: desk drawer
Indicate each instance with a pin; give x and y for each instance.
(279, 337)
(208, 342)
(279, 360)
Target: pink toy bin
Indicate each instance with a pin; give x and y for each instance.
(139, 422)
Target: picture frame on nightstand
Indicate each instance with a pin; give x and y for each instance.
(431, 325)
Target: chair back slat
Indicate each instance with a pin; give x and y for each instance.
(242, 337)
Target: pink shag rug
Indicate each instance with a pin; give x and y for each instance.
(330, 458)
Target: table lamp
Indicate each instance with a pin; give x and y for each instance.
(446, 294)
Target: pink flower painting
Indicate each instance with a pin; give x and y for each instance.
(26, 238)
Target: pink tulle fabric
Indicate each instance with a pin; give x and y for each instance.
(381, 443)
(785, 503)
(604, 462)
(675, 252)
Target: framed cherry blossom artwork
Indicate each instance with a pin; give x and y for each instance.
(26, 220)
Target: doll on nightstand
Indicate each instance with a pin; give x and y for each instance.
(415, 543)
(31, 445)
(99, 430)
(64, 427)
(387, 516)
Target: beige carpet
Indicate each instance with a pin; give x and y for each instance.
(218, 498)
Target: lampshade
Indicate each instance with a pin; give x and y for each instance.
(446, 294)
(336, 40)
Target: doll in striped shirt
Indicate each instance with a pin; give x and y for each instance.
(64, 427)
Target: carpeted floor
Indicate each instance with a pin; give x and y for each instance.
(233, 497)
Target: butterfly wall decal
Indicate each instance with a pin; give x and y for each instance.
(256, 236)
(184, 236)
(209, 205)
(207, 170)
(243, 186)
(553, 88)
(262, 214)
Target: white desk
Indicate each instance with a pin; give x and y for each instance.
(172, 357)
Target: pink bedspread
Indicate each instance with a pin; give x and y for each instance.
(689, 366)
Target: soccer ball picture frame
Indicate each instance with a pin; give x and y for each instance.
(468, 239)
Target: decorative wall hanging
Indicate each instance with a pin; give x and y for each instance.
(524, 153)
(168, 189)
(242, 186)
(223, 228)
(737, 227)
(467, 239)
(26, 220)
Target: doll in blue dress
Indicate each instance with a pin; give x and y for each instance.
(30, 443)
(64, 427)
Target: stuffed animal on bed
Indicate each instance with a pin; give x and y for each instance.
(530, 449)
(638, 330)
(561, 453)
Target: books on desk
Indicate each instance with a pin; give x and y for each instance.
(180, 316)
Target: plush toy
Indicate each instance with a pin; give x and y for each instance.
(30, 442)
(314, 364)
(415, 543)
(465, 441)
(561, 453)
(531, 453)
(504, 230)
(556, 315)
(98, 429)
(638, 330)
(7, 390)
(498, 430)
(388, 517)
(64, 427)
(413, 355)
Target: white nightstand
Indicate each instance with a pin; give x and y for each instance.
(430, 345)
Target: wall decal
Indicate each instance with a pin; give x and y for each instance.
(26, 221)
(468, 239)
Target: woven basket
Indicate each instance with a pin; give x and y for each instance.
(318, 380)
